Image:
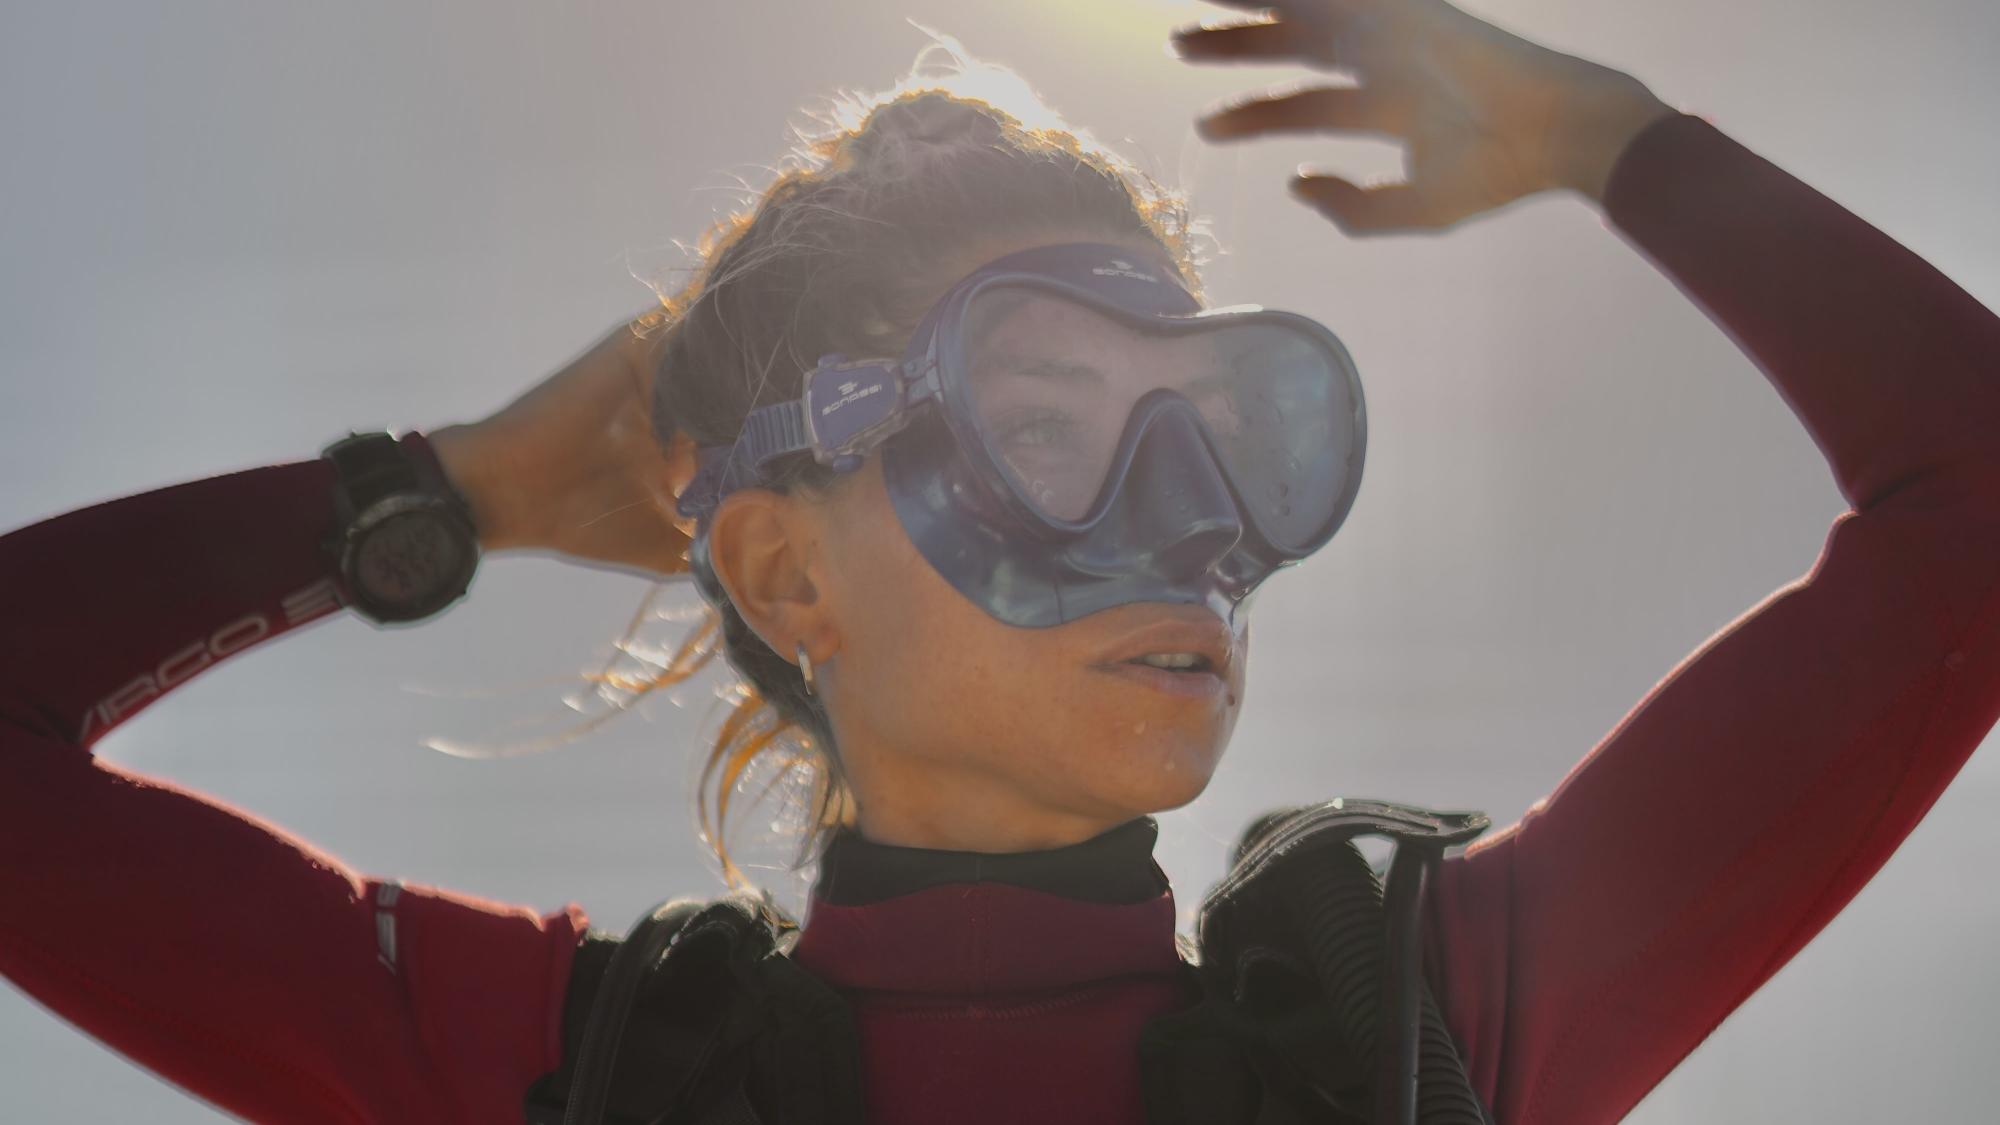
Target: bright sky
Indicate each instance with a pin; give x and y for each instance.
(237, 230)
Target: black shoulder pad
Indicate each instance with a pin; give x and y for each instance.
(548, 1098)
(676, 1005)
(1311, 978)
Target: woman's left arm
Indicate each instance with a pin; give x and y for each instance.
(1753, 792)
(1587, 949)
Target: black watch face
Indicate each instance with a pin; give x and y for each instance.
(408, 561)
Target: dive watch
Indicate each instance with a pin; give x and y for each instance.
(404, 544)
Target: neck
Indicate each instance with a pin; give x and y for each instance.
(988, 829)
(1112, 867)
(925, 804)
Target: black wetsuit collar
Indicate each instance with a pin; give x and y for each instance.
(1116, 868)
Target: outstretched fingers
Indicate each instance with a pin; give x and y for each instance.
(1484, 116)
(1273, 41)
(1380, 209)
(1316, 44)
(1351, 109)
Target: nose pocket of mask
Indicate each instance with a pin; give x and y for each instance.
(1172, 513)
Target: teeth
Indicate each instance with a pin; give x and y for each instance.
(1176, 661)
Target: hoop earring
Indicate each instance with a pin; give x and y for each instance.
(806, 669)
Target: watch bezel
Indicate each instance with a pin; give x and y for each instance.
(373, 519)
(380, 479)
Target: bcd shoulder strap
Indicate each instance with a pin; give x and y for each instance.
(1314, 1006)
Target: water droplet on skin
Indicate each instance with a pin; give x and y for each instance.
(1138, 728)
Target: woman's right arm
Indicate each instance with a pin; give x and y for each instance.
(230, 958)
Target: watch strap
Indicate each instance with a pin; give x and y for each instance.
(372, 466)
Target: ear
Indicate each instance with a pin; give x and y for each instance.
(763, 549)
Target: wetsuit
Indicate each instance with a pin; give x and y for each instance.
(1579, 954)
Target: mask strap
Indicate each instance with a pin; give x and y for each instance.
(769, 431)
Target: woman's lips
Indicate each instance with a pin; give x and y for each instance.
(1177, 629)
(1188, 685)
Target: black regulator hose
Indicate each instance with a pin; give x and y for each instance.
(1376, 988)
(1402, 988)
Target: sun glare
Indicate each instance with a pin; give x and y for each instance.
(946, 64)
(1120, 28)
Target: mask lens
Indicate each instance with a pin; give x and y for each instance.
(1054, 383)
(1284, 424)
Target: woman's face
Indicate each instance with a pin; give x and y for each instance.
(957, 730)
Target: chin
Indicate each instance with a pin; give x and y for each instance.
(1172, 776)
(1169, 798)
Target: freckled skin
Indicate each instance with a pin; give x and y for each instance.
(956, 730)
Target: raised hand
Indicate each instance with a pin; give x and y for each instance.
(1486, 116)
(572, 466)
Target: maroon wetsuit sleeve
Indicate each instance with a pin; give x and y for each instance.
(234, 960)
(1738, 807)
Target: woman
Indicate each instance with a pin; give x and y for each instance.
(1579, 954)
